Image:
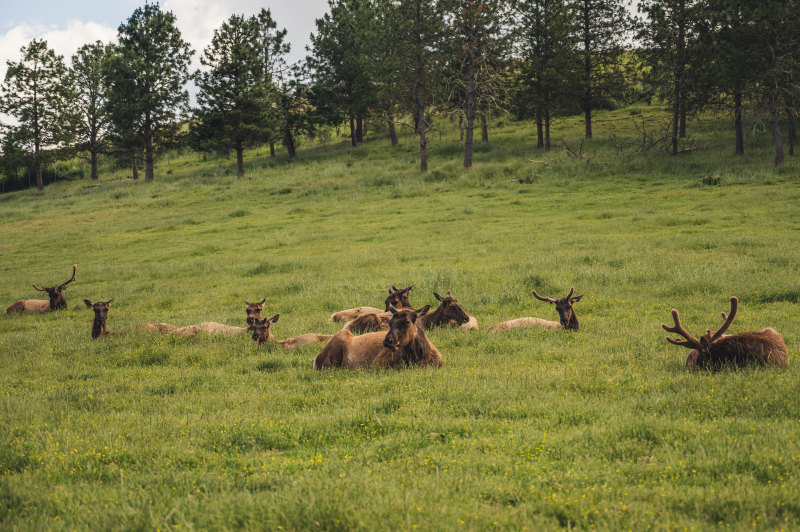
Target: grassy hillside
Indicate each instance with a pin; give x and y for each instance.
(600, 428)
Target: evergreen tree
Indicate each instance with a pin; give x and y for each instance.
(235, 93)
(146, 78)
(602, 27)
(88, 75)
(546, 73)
(36, 92)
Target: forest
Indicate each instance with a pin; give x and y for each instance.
(399, 66)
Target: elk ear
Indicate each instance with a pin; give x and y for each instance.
(246, 302)
(392, 309)
(576, 299)
(424, 310)
(88, 303)
(274, 318)
(262, 301)
(437, 296)
(392, 290)
(409, 289)
(110, 301)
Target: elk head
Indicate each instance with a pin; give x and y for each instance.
(403, 326)
(398, 298)
(703, 351)
(57, 300)
(260, 328)
(451, 309)
(253, 310)
(100, 315)
(566, 314)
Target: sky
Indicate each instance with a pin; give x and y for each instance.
(67, 25)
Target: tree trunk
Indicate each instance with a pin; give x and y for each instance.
(484, 129)
(587, 72)
(469, 111)
(682, 131)
(792, 129)
(38, 167)
(134, 166)
(392, 129)
(677, 104)
(547, 127)
(359, 129)
(737, 121)
(461, 126)
(288, 139)
(539, 129)
(272, 149)
(352, 131)
(776, 126)
(149, 157)
(239, 160)
(93, 157)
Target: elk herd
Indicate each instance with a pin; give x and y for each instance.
(395, 336)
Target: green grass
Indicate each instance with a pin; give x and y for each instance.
(601, 428)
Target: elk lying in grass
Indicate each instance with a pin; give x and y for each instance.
(262, 333)
(567, 317)
(253, 310)
(448, 314)
(56, 301)
(397, 297)
(379, 321)
(717, 350)
(404, 344)
(100, 316)
(206, 327)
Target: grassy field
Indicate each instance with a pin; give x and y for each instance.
(600, 428)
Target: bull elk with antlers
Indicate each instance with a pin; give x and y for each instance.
(404, 344)
(56, 301)
(717, 350)
(568, 319)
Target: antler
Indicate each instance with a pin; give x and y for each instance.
(545, 299)
(39, 289)
(728, 319)
(63, 285)
(678, 329)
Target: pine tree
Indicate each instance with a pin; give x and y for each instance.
(88, 76)
(146, 78)
(36, 92)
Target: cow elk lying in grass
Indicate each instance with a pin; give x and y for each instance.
(448, 314)
(404, 344)
(567, 317)
(100, 316)
(397, 297)
(262, 333)
(206, 327)
(56, 301)
(717, 350)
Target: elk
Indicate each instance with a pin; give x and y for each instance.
(567, 317)
(448, 313)
(253, 310)
(206, 327)
(100, 316)
(397, 297)
(716, 350)
(404, 344)
(56, 301)
(262, 333)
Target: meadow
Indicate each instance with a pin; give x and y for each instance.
(531, 429)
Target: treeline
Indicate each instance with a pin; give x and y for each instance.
(400, 64)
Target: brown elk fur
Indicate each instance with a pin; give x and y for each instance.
(448, 314)
(397, 297)
(100, 316)
(568, 319)
(206, 327)
(404, 344)
(717, 350)
(262, 333)
(55, 302)
(253, 310)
